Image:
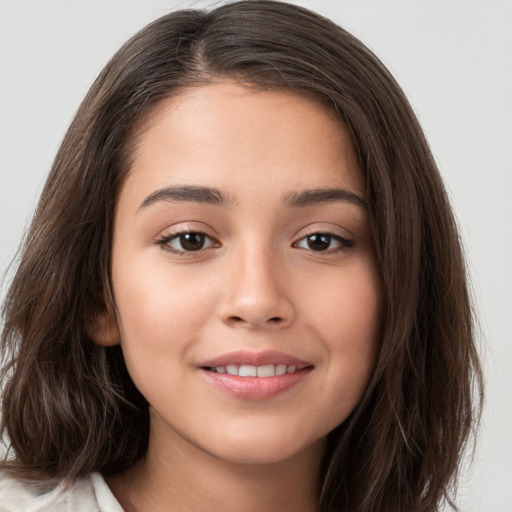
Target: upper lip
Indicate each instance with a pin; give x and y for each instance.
(247, 357)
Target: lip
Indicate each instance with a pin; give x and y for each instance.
(255, 388)
(241, 357)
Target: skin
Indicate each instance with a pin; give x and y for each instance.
(257, 284)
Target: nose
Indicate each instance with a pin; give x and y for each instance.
(256, 293)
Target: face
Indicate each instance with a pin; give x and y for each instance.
(246, 289)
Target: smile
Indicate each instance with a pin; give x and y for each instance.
(246, 370)
(255, 375)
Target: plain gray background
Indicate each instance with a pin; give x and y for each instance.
(452, 57)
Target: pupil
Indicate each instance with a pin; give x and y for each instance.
(319, 242)
(192, 241)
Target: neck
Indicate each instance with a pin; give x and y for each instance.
(177, 476)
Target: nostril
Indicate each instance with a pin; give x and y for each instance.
(239, 319)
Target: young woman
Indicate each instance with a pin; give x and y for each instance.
(243, 287)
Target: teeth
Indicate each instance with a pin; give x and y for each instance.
(280, 369)
(246, 370)
(269, 370)
(232, 369)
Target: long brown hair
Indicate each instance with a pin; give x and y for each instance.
(69, 406)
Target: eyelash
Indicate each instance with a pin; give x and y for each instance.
(343, 243)
(165, 242)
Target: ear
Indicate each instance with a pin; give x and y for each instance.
(105, 330)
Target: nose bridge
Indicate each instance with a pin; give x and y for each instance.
(256, 291)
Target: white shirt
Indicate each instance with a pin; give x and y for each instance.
(89, 495)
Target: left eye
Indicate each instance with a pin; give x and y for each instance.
(188, 242)
(322, 242)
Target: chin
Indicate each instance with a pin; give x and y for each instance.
(266, 449)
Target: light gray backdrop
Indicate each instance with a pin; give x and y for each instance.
(452, 57)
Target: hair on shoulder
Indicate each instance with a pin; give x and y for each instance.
(69, 407)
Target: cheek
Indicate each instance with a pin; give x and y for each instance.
(347, 317)
(348, 308)
(159, 312)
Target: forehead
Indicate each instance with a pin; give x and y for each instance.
(225, 134)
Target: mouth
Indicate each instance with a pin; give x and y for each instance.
(255, 375)
(247, 370)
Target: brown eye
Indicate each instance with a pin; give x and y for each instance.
(192, 241)
(189, 241)
(323, 242)
(319, 242)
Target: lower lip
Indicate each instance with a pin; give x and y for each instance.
(255, 388)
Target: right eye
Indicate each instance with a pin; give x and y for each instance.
(188, 241)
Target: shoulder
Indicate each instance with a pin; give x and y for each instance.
(88, 495)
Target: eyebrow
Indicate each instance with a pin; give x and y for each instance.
(189, 193)
(213, 196)
(320, 196)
